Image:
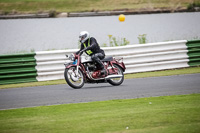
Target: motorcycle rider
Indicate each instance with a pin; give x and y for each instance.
(92, 49)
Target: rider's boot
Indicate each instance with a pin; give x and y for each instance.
(103, 71)
(100, 65)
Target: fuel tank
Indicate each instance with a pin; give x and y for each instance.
(86, 59)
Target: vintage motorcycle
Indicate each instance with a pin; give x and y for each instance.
(81, 69)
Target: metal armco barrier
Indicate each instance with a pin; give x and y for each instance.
(137, 58)
(49, 65)
(194, 52)
(152, 56)
(17, 68)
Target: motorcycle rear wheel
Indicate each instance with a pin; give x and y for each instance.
(117, 81)
(73, 80)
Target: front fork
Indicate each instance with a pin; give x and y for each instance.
(71, 65)
(77, 67)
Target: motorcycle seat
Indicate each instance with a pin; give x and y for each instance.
(108, 58)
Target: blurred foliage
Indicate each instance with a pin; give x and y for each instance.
(142, 39)
(113, 42)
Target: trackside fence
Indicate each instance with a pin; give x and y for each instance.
(18, 68)
(137, 58)
(49, 65)
(193, 52)
(152, 56)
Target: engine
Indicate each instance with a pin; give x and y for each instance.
(91, 66)
(96, 74)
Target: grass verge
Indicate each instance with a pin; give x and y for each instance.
(34, 6)
(180, 71)
(189, 70)
(164, 114)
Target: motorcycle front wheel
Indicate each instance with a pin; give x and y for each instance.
(117, 81)
(74, 80)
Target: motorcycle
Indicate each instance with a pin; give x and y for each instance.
(81, 69)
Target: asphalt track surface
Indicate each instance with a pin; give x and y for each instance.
(131, 88)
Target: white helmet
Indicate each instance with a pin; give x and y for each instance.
(84, 35)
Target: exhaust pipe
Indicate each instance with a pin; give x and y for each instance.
(113, 76)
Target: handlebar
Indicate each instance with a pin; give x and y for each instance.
(82, 51)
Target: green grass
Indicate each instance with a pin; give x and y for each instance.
(189, 70)
(34, 6)
(179, 71)
(166, 114)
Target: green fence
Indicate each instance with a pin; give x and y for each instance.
(194, 52)
(18, 68)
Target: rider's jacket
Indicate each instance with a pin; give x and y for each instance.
(92, 47)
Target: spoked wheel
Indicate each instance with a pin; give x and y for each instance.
(73, 80)
(117, 81)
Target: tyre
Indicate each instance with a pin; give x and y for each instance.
(73, 80)
(117, 81)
